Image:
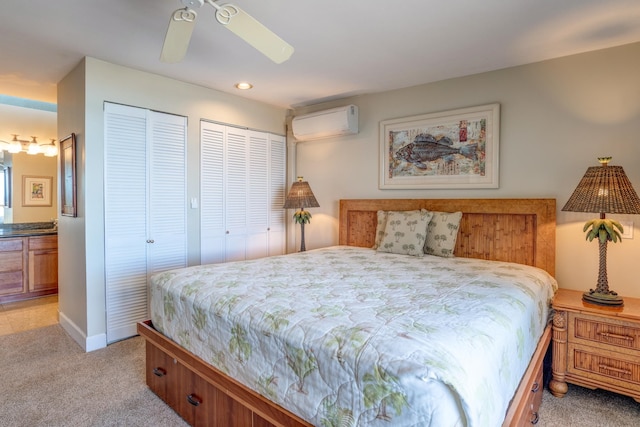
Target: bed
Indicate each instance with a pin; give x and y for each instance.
(265, 355)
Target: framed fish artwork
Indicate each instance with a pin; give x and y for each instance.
(449, 149)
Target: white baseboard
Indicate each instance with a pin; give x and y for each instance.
(91, 343)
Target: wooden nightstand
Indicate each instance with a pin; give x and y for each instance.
(595, 346)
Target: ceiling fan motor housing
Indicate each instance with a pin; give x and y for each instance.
(192, 3)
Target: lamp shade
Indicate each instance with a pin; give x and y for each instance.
(300, 196)
(604, 189)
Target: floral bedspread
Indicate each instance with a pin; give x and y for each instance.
(347, 336)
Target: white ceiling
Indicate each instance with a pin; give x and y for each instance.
(342, 47)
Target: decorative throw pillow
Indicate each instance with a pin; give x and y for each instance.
(405, 232)
(382, 222)
(442, 234)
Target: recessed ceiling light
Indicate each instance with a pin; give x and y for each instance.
(244, 85)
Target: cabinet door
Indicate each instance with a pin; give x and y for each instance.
(43, 263)
(12, 273)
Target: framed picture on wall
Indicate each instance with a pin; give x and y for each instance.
(448, 149)
(36, 190)
(68, 176)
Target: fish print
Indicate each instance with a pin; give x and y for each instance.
(427, 148)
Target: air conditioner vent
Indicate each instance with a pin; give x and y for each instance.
(326, 123)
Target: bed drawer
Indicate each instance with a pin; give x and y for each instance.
(161, 374)
(198, 394)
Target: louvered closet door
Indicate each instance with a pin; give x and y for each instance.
(277, 191)
(258, 192)
(167, 192)
(242, 189)
(125, 218)
(212, 213)
(236, 193)
(145, 209)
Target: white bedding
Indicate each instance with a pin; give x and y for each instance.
(350, 334)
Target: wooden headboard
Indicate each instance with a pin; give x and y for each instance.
(514, 230)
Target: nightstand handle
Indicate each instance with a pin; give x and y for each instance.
(617, 336)
(618, 370)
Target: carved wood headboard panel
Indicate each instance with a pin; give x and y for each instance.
(514, 230)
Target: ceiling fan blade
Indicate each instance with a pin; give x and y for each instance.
(253, 32)
(176, 42)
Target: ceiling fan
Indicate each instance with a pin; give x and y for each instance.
(183, 21)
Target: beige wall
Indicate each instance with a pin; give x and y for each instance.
(26, 122)
(81, 96)
(557, 117)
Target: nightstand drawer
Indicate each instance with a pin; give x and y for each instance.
(592, 330)
(604, 366)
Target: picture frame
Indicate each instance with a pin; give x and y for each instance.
(36, 190)
(452, 149)
(68, 203)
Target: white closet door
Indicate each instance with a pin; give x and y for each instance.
(236, 193)
(258, 192)
(277, 192)
(145, 209)
(167, 226)
(242, 185)
(125, 219)
(212, 212)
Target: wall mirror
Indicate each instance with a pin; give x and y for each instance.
(68, 176)
(6, 186)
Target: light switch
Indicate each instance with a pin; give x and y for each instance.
(628, 229)
(194, 203)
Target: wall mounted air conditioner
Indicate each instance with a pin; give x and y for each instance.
(326, 123)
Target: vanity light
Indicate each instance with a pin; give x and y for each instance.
(30, 147)
(33, 148)
(244, 86)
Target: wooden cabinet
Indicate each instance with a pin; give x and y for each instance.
(595, 346)
(28, 267)
(12, 268)
(43, 263)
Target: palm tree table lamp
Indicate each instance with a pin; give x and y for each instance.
(301, 196)
(604, 189)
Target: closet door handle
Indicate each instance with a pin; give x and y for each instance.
(150, 241)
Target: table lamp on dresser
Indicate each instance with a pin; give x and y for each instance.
(603, 189)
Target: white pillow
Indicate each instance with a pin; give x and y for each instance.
(442, 234)
(382, 222)
(405, 232)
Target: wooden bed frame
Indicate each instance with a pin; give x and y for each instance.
(516, 230)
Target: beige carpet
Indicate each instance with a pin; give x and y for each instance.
(47, 380)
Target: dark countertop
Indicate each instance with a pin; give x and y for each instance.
(28, 229)
(4, 233)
